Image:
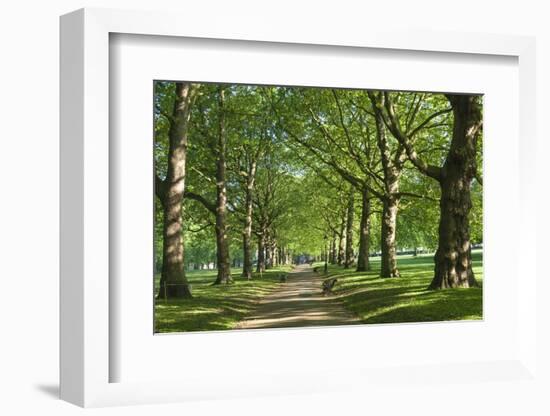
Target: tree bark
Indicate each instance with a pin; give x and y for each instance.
(364, 231)
(349, 231)
(260, 266)
(342, 242)
(270, 253)
(333, 253)
(392, 168)
(453, 261)
(390, 206)
(173, 282)
(247, 232)
(223, 263)
(275, 255)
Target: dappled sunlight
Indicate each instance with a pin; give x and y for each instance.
(406, 299)
(247, 177)
(299, 302)
(214, 307)
(358, 297)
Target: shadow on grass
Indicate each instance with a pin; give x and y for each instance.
(406, 299)
(365, 294)
(214, 307)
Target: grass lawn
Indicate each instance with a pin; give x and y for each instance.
(214, 307)
(405, 299)
(371, 298)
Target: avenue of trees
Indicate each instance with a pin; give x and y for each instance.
(250, 177)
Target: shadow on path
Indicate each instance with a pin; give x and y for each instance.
(298, 302)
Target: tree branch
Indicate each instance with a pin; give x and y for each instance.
(199, 198)
(413, 195)
(198, 230)
(427, 120)
(390, 119)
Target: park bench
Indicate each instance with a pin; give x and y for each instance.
(328, 285)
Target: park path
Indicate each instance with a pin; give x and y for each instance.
(298, 302)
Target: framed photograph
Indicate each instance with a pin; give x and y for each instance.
(282, 212)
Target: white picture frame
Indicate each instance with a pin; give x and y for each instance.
(86, 356)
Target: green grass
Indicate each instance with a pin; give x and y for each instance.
(214, 307)
(405, 299)
(373, 299)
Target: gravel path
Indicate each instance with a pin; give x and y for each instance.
(298, 302)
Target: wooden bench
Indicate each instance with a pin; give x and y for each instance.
(328, 285)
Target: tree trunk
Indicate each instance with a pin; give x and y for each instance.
(390, 206)
(173, 282)
(275, 255)
(247, 232)
(392, 167)
(270, 260)
(342, 243)
(222, 257)
(247, 252)
(453, 261)
(364, 230)
(260, 266)
(333, 254)
(349, 231)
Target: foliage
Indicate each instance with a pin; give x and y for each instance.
(336, 127)
(292, 157)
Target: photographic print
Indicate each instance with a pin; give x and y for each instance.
(288, 206)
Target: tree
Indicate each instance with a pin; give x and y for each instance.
(210, 170)
(392, 168)
(322, 128)
(251, 163)
(364, 232)
(271, 200)
(170, 191)
(223, 263)
(253, 126)
(349, 230)
(453, 263)
(301, 170)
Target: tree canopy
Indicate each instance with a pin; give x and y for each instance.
(271, 173)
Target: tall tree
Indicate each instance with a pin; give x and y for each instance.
(223, 263)
(364, 232)
(210, 157)
(392, 167)
(342, 241)
(362, 155)
(322, 127)
(253, 137)
(349, 230)
(170, 192)
(250, 181)
(268, 207)
(453, 263)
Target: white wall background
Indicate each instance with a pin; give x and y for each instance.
(29, 56)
